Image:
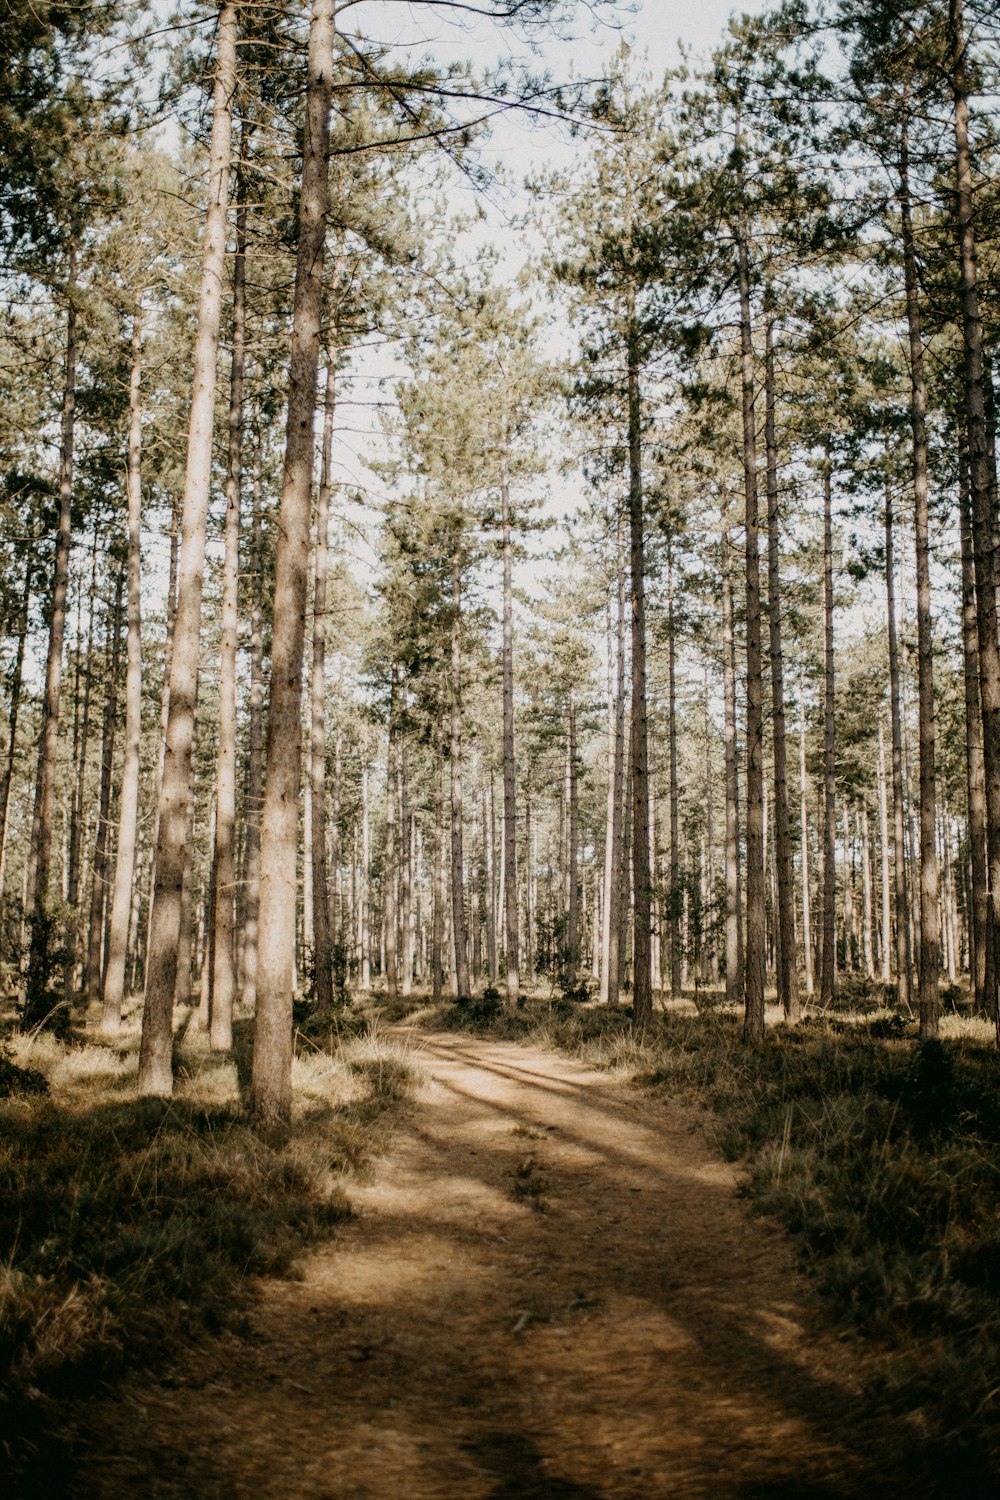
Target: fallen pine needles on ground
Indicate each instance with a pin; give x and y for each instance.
(879, 1153)
(127, 1223)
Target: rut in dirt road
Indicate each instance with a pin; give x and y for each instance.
(550, 1290)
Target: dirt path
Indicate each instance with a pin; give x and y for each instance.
(550, 1290)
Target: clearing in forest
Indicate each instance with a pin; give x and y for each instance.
(550, 1289)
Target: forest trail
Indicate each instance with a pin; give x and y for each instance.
(550, 1290)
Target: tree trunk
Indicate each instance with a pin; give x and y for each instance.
(883, 814)
(829, 960)
(322, 940)
(930, 957)
(255, 757)
(756, 934)
(734, 935)
(572, 852)
(616, 782)
(459, 937)
(788, 987)
(511, 933)
(224, 910)
(975, 781)
(366, 875)
(36, 999)
(155, 1052)
(903, 952)
(389, 869)
(128, 810)
(100, 866)
(14, 713)
(437, 931)
(807, 952)
(271, 1083)
(406, 871)
(81, 741)
(675, 863)
(642, 995)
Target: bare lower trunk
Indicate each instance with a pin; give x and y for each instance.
(642, 995)
(437, 933)
(405, 872)
(255, 757)
(511, 932)
(81, 741)
(807, 950)
(829, 961)
(734, 937)
(98, 892)
(975, 780)
(788, 988)
(572, 917)
(322, 937)
(616, 783)
(155, 1065)
(883, 826)
(366, 874)
(756, 934)
(13, 714)
(128, 811)
(675, 862)
(37, 1002)
(224, 911)
(903, 951)
(930, 957)
(983, 520)
(459, 937)
(271, 1082)
(389, 869)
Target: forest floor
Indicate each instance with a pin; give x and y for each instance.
(551, 1290)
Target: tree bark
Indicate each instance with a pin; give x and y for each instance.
(271, 1081)
(224, 910)
(36, 1000)
(675, 862)
(975, 780)
(13, 713)
(829, 960)
(734, 933)
(255, 756)
(389, 870)
(642, 994)
(100, 864)
(983, 520)
(807, 951)
(883, 814)
(459, 936)
(81, 741)
(437, 930)
(788, 987)
(511, 932)
(572, 851)
(128, 810)
(930, 956)
(322, 937)
(616, 782)
(903, 951)
(756, 933)
(155, 1051)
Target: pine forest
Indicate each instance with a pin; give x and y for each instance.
(499, 749)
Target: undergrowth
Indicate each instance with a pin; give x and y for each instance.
(880, 1154)
(127, 1223)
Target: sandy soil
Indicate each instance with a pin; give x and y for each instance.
(551, 1290)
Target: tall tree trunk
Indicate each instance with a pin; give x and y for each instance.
(366, 874)
(100, 865)
(616, 782)
(128, 809)
(13, 713)
(675, 863)
(155, 1052)
(930, 957)
(437, 931)
(788, 987)
(224, 910)
(390, 866)
(572, 851)
(734, 935)
(80, 745)
(642, 994)
(511, 933)
(983, 520)
(903, 951)
(36, 999)
(459, 937)
(322, 939)
(708, 899)
(756, 934)
(883, 826)
(271, 1083)
(255, 756)
(405, 871)
(807, 950)
(829, 961)
(975, 780)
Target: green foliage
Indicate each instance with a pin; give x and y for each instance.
(17, 1080)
